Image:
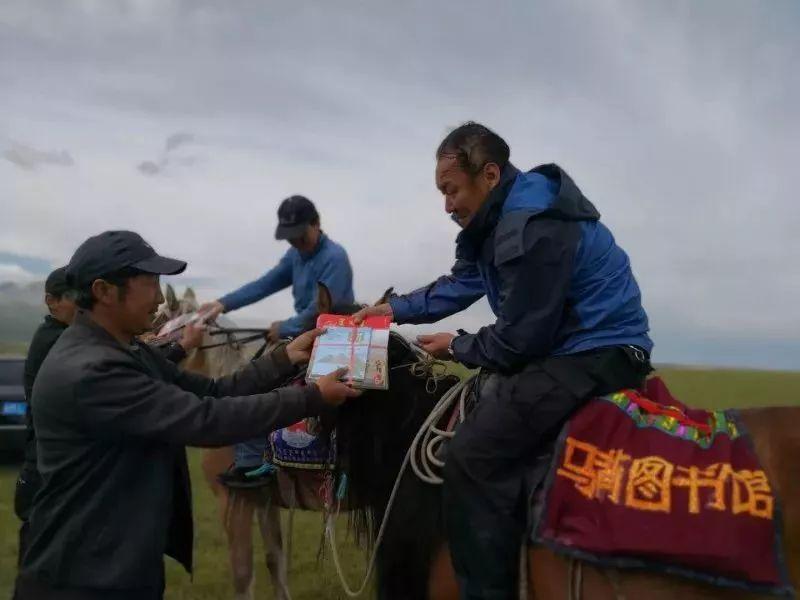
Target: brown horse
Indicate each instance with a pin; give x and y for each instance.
(413, 561)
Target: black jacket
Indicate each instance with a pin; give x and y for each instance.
(43, 339)
(112, 422)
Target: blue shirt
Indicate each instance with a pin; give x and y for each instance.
(327, 263)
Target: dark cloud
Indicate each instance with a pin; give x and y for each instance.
(30, 159)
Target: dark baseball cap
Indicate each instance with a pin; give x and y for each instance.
(111, 251)
(56, 283)
(294, 215)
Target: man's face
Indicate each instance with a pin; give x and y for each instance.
(464, 194)
(61, 307)
(134, 307)
(308, 241)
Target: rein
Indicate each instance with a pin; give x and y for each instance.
(256, 334)
(235, 341)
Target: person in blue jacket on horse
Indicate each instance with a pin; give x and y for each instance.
(312, 258)
(569, 326)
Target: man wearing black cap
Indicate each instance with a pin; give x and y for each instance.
(112, 418)
(60, 303)
(313, 258)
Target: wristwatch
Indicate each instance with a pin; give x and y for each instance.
(450, 348)
(459, 333)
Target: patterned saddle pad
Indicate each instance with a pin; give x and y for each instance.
(643, 481)
(301, 446)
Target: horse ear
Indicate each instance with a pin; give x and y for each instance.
(385, 298)
(189, 301)
(171, 299)
(324, 300)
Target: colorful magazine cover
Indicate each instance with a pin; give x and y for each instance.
(362, 349)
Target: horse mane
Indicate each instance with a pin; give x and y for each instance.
(374, 432)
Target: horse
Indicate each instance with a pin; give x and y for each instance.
(237, 509)
(412, 559)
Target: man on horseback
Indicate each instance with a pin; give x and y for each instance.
(570, 325)
(313, 258)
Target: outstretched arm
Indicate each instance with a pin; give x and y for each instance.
(274, 280)
(446, 296)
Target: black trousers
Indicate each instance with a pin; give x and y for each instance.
(517, 418)
(28, 483)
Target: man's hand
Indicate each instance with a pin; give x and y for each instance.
(379, 310)
(192, 336)
(275, 332)
(211, 310)
(299, 349)
(335, 392)
(436, 345)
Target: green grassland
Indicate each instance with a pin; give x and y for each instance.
(313, 579)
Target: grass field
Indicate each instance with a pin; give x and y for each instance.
(313, 580)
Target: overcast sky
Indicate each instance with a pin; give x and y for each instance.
(190, 121)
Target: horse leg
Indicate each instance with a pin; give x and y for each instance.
(239, 528)
(269, 522)
(214, 462)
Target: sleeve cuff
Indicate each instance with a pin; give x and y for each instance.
(315, 405)
(400, 309)
(229, 303)
(280, 359)
(460, 347)
(288, 328)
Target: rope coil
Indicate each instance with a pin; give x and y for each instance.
(420, 454)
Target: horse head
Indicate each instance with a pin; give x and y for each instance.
(211, 359)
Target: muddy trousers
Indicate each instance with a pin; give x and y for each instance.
(518, 417)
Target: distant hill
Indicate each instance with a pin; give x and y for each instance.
(21, 310)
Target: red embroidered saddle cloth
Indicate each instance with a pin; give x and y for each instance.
(643, 481)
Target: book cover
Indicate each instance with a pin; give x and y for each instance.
(362, 349)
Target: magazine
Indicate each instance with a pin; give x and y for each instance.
(361, 349)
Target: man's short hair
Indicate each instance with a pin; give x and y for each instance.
(474, 146)
(56, 283)
(83, 294)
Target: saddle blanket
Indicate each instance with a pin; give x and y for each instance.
(300, 446)
(643, 481)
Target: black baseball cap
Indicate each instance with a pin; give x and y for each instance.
(56, 283)
(111, 251)
(294, 215)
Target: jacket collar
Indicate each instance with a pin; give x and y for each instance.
(53, 322)
(84, 320)
(483, 223)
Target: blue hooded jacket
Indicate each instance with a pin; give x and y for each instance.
(552, 273)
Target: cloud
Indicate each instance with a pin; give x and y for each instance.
(30, 159)
(15, 273)
(176, 140)
(678, 121)
(170, 156)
